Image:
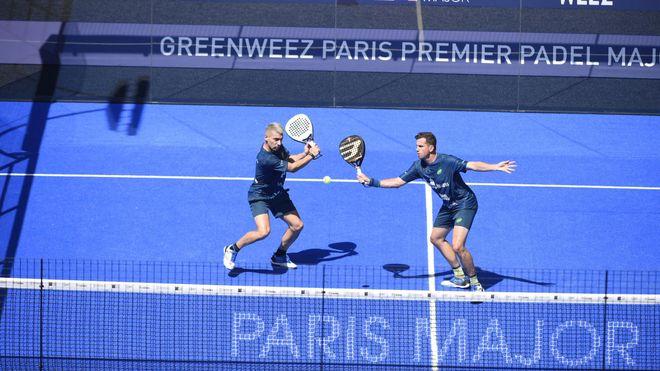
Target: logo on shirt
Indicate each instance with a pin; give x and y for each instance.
(439, 171)
(435, 185)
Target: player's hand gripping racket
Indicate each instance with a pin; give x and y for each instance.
(352, 149)
(300, 129)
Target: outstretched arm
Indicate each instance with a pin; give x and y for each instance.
(385, 183)
(507, 166)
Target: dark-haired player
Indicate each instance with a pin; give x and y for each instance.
(459, 204)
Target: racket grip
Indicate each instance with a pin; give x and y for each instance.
(313, 144)
(359, 172)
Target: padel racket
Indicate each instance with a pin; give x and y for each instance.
(300, 129)
(352, 149)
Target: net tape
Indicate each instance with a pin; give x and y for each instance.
(328, 293)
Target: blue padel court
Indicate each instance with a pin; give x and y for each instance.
(134, 214)
(585, 195)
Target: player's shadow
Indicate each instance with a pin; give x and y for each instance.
(336, 251)
(488, 279)
(274, 270)
(397, 269)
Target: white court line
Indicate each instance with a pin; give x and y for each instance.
(428, 201)
(128, 176)
(228, 178)
(578, 186)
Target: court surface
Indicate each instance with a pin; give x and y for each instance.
(172, 190)
(176, 191)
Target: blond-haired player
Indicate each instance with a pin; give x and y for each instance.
(267, 193)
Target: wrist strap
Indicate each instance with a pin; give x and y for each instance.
(373, 182)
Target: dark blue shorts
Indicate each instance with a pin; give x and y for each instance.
(452, 218)
(278, 206)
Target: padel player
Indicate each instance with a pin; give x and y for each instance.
(459, 204)
(267, 193)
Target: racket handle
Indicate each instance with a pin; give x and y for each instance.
(359, 172)
(313, 144)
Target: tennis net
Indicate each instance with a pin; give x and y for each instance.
(125, 315)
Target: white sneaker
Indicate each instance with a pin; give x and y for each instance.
(230, 258)
(283, 261)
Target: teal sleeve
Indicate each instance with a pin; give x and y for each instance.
(458, 164)
(410, 174)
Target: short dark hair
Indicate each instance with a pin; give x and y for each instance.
(430, 139)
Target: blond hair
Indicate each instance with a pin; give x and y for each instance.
(274, 126)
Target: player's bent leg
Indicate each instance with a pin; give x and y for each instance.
(442, 225)
(262, 222)
(458, 279)
(438, 239)
(295, 226)
(458, 244)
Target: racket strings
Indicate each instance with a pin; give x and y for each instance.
(300, 128)
(351, 151)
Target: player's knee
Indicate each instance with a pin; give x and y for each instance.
(262, 233)
(438, 241)
(297, 227)
(458, 248)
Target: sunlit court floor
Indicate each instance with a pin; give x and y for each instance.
(173, 187)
